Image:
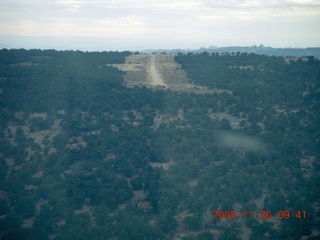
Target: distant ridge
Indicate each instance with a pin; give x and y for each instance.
(293, 52)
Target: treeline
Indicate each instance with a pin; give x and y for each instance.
(256, 76)
(57, 80)
(34, 56)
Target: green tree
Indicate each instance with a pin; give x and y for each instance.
(224, 124)
(3, 168)
(228, 235)
(25, 206)
(167, 222)
(205, 236)
(4, 207)
(192, 223)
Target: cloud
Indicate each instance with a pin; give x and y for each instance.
(257, 9)
(242, 142)
(190, 21)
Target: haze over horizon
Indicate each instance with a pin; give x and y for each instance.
(140, 24)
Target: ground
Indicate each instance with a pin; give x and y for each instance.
(158, 71)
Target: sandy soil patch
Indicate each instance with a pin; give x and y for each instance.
(84, 209)
(29, 222)
(234, 121)
(3, 195)
(193, 182)
(306, 164)
(38, 174)
(39, 135)
(139, 200)
(161, 118)
(165, 165)
(10, 162)
(289, 59)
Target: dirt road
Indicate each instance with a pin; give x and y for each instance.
(154, 76)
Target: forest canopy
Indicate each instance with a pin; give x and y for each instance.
(82, 156)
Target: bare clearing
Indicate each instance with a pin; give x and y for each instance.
(165, 165)
(139, 200)
(159, 71)
(234, 121)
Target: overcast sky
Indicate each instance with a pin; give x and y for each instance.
(145, 24)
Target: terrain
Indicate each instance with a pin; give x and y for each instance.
(158, 71)
(116, 145)
(261, 49)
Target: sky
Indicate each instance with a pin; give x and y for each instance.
(95, 25)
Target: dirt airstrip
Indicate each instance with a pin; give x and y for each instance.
(158, 71)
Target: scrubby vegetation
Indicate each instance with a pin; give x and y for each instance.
(84, 157)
